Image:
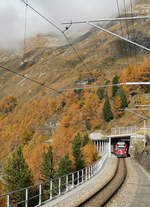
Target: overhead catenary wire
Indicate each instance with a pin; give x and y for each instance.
(127, 30)
(143, 105)
(109, 20)
(25, 31)
(58, 91)
(70, 89)
(61, 31)
(133, 26)
(105, 86)
(30, 79)
(119, 13)
(140, 109)
(116, 35)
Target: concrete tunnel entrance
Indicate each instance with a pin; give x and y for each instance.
(125, 139)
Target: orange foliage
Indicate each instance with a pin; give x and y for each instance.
(15, 124)
(33, 155)
(109, 92)
(143, 100)
(90, 153)
(130, 74)
(2, 200)
(117, 107)
(7, 104)
(136, 73)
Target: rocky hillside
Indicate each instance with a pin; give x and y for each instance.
(50, 60)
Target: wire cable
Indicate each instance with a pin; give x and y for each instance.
(25, 30)
(105, 86)
(100, 86)
(119, 13)
(25, 77)
(127, 27)
(133, 26)
(62, 32)
(109, 20)
(116, 35)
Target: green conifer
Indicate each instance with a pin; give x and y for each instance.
(16, 175)
(47, 167)
(76, 152)
(100, 93)
(65, 166)
(85, 140)
(107, 113)
(115, 87)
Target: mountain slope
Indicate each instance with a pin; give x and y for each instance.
(40, 114)
(58, 66)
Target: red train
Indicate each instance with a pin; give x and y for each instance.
(121, 149)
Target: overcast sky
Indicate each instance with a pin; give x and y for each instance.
(12, 16)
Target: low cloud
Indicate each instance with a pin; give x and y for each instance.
(12, 16)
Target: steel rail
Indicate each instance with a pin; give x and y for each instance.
(105, 200)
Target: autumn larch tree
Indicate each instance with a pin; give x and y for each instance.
(117, 106)
(8, 104)
(47, 167)
(76, 152)
(107, 113)
(123, 97)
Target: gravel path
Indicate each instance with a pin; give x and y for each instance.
(142, 196)
(136, 190)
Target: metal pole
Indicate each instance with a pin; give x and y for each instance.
(72, 180)
(51, 190)
(120, 37)
(8, 200)
(67, 183)
(108, 19)
(82, 175)
(86, 173)
(40, 194)
(26, 202)
(78, 177)
(109, 146)
(89, 172)
(92, 170)
(144, 133)
(59, 186)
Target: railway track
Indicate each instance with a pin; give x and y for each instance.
(110, 188)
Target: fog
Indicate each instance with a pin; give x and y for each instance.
(12, 16)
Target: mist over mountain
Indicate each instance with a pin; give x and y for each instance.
(12, 16)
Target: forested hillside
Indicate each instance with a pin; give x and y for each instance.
(30, 113)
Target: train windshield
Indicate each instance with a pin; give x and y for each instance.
(121, 147)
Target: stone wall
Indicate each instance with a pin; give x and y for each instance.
(134, 141)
